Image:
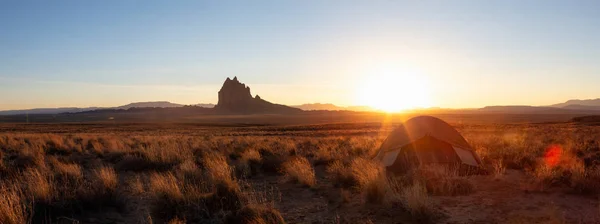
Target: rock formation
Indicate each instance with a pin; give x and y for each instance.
(235, 97)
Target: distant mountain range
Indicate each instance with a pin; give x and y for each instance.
(591, 104)
(521, 109)
(162, 104)
(571, 106)
(235, 97)
(156, 104)
(48, 110)
(332, 107)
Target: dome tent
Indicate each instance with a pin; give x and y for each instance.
(425, 140)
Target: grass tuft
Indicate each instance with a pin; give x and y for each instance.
(255, 214)
(299, 170)
(13, 208)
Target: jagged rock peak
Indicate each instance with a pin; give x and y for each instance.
(234, 94)
(235, 97)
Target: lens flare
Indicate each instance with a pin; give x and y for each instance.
(553, 155)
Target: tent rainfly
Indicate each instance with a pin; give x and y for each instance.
(426, 140)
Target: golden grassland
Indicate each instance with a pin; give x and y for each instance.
(200, 174)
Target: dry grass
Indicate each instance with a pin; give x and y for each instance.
(136, 186)
(107, 178)
(358, 174)
(272, 161)
(28, 160)
(250, 156)
(165, 186)
(250, 162)
(13, 210)
(375, 190)
(366, 172)
(176, 221)
(299, 170)
(66, 170)
(63, 176)
(192, 177)
(341, 175)
(361, 175)
(39, 185)
(416, 200)
(173, 198)
(217, 168)
(256, 214)
(567, 171)
(2, 161)
(587, 182)
(445, 181)
(498, 169)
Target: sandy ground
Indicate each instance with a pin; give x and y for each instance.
(507, 200)
(495, 200)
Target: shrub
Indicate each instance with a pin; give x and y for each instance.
(515, 150)
(227, 196)
(107, 178)
(167, 198)
(140, 163)
(271, 162)
(362, 175)
(371, 179)
(299, 170)
(216, 167)
(254, 214)
(165, 187)
(99, 191)
(55, 146)
(190, 174)
(27, 161)
(176, 221)
(250, 162)
(52, 198)
(366, 172)
(439, 180)
(568, 172)
(498, 168)
(172, 198)
(135, 185)
(250, 156)
(587, 182)
(325, 155)
(375, 190)
(416, 201)
(341, 175)
(66, 171)
(39, 185)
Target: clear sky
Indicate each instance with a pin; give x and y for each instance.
(463, 53)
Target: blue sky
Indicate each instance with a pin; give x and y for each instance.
(470, 53)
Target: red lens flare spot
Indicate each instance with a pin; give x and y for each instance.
(553, 154)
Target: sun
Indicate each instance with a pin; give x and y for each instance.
(394, 91)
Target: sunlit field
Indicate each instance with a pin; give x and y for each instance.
(316, 112)
(290, 174)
